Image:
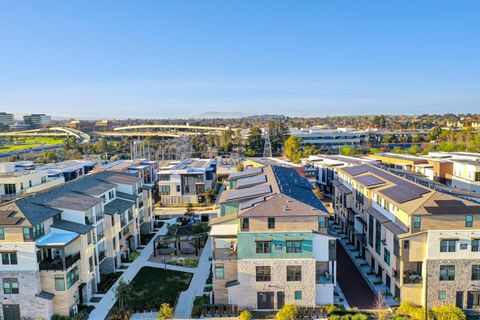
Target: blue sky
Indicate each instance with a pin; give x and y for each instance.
(182, 58)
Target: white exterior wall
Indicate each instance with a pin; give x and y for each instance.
(463, 236)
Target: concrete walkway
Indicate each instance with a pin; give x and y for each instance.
(102, 308)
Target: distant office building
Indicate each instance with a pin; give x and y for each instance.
(37, 120)
(330, 139)
(6, 119)
(186, 181)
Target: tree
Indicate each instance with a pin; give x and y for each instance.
(379, 307)
(166, 312)
(347, 151)
(278, 132)
(255, 143)
(292, 149)
(239, 167)
(288, 312)
(124, 293)
(245, 315)
(209, 196)
(448, 312)
(189, 209)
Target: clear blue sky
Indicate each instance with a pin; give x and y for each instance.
(179, 58)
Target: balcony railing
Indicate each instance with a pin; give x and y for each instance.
(99, 216)
(224, 254)
(412, 278)
(57, 265)
(100, 236)
(101, 255)
(325, 279)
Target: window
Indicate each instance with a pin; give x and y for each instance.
(90, 264)
(447, 273)
(104, 198)
(163, 177)
(298, 295)
(271, 223)
(219, 271)
(2, 233)
(245, 224)
(34, 232)
(378, 236)
(164, 190)
(463, 246)
(406, 244)
(476, 272)
(442, 295)
(294, 246)
(263, 273)
(469, 221)
(9, 258)
(370, 230)
(59, 283)
(417, 222)
(475, 243)
(294, 273)
(262, 246)
(322, 222)
(448, 245)
(178, 188)
(386, 256)
(10, 188)
(10, 286)
(72, 277)
(111, 195)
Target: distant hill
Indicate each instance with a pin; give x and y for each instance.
(221, 115)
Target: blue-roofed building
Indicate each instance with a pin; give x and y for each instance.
(270, 243)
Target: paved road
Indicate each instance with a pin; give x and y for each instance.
(353, 285)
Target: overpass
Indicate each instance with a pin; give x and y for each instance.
(82, 137)
(162, 130)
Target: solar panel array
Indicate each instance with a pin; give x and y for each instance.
(250, 181)
(452, 207)
(251, 203)
(246, 173)
(400, 194)
(356, 170)
(248, 192)
(370, 180)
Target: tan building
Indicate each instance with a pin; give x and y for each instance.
(422, 244)
(56, 243)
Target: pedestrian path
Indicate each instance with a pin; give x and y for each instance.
(102, 308)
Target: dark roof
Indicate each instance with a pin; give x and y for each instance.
(245, 173)
(90, 186)
(117, 206)
(126, 195)
(35, 213)
(117, 177)
(72, 201)
(72, 226)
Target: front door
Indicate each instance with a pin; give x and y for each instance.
(459, 299)
(265, 300)
(280, 299)
(11, 312)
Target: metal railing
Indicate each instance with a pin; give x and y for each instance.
(57, 265)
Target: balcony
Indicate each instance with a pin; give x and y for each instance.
(123, 223)
(101, 255)
(412, 278)
(225, 254)
(99, 217)
(59, 264)
(327, 279)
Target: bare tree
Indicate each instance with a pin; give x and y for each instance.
(379, 306)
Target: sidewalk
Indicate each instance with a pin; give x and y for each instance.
(102, 308)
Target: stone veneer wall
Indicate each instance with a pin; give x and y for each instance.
(245, 294)
(230, 273)
(31, 306)
(463, 281)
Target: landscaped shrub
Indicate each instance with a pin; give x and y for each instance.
(448, 313)
(417, 313)
(245, 315)
(288, 312)
(331, 308)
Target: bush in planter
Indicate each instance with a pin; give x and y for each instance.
(288, 312)
(245, 315)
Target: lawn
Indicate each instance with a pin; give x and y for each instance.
(107, 280)
(27, 143)
(156, 286)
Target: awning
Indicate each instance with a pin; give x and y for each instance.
(219, 230)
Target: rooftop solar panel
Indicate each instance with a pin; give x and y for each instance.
(251, 203)
(248, 192)
(370, 180)
(246, 173)
(400, 194)
(250, 181)
(452, 207)
(356, 170)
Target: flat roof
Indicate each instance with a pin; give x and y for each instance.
(55, 239)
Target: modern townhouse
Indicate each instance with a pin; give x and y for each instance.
(69, 169)
(19, 178)
(421, 243)
(270, 243)
(186, 181)
(55, 244)
(326, 167)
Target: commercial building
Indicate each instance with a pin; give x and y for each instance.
(18, 178)
(6, 119)
(422, 244)
(270, 243)
(331, 139)
(37, 120)
(56, 243)
(186, 181)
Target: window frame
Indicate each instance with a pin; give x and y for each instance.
(263, 247)
(468, 222)
(219, 267)
(475, 272)
(58, 277)
(290, 246)
(10, 286)
(448, 247)
(263, 273)
(271, 223)
(294, 273)
(447, 270)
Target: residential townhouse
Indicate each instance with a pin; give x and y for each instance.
(422, 244)
(186, 181)
(69, 169)
(55, 244)
(270, 243)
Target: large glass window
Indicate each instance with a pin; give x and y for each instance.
(219, 271)
(72, 277)
(294, 246)
(370, 230)
(447, 273)
(9, 258)
(262, 246)
(448, 245)
(386, 256)
(294, 273)
(263, 273)
(34, 232)
(10, 286)
(378, 236)
(59, 283)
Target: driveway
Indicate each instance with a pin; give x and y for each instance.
(354, 286)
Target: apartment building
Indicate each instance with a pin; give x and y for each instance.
(56, 243)
(270, 243)
(331, 139)
(422, 244)
(69, 169)
(326, 166)
(18, 178)
(186, 181)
